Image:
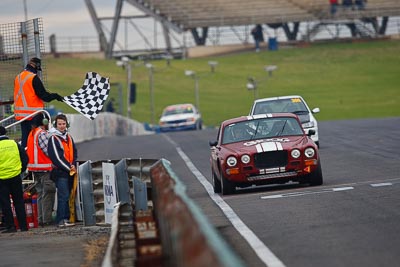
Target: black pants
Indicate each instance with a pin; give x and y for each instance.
(26, 127)
(13, 187)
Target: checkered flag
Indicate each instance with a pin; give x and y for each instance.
(89, 99)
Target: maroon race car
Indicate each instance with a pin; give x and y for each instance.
(263, 149)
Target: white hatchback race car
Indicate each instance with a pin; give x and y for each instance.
(292, 104)
(180, 117)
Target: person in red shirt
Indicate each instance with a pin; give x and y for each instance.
(334, 5)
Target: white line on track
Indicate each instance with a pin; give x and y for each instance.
(344, 187)
(381, 184)
(262, 251)
(296, 194)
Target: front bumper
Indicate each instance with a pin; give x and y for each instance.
(175, 128)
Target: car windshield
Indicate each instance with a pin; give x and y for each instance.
(261, 129)
(178, 110)
(291, 105)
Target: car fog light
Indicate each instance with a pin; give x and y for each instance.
(232, 171)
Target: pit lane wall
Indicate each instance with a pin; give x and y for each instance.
(106, 124)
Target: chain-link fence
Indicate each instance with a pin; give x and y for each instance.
(19, 42)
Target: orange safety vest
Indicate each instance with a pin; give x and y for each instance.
(26, 101)
(38, 161)
(68, 148)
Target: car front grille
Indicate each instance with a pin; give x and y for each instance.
(272, 176)
(271, 159)
(176, 121)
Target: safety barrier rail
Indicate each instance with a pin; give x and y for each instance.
(172, 232)
(91, 186)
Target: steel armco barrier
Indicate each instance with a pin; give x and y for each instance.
(91, 185)
(187, 238)
(121, 250)
(171, 231)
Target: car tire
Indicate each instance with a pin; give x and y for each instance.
(198, 125)
(216, 183)
(315, 178)
(227, 187)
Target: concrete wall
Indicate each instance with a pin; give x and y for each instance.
(106, 124)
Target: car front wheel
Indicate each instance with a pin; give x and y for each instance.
(227, 186)
(315, 178)
(216, 183)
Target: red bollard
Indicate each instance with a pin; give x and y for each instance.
(35, 211)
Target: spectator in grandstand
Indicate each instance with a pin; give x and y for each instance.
(63, 154)
(39, 165)
(334, 5)
(258, 36)
(30, 95)
(13, 161)
(360, 4)
(347, 4)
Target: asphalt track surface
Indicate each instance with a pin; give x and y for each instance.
(351, 220)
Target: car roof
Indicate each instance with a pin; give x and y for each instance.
(179, 106)
(259, 116)
(277, 98)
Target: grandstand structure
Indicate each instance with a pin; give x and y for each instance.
(199, 16)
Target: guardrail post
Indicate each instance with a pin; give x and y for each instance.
(140, 194)
(123, 182)
(86, 190)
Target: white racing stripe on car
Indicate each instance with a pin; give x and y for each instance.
(269, 146)
(259, 148)
(279, 146)
(262, 251)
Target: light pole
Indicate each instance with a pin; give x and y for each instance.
(25, 10)
(196, 85)
(168, 58)
(151, 85)
(125, 62)
(212, 64)
(252, 82)
(252, 85)
(270, 69)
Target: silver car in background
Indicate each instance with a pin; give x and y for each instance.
(292, 104)
(180, 117)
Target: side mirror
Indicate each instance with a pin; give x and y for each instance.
(315, 110)
(311, 132)
(213, 143)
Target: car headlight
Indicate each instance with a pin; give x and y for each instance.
(309, 124)
(231, 161)
(295, 153)
(309, 152)
(245, 159)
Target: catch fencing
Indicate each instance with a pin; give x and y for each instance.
(19, 42)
